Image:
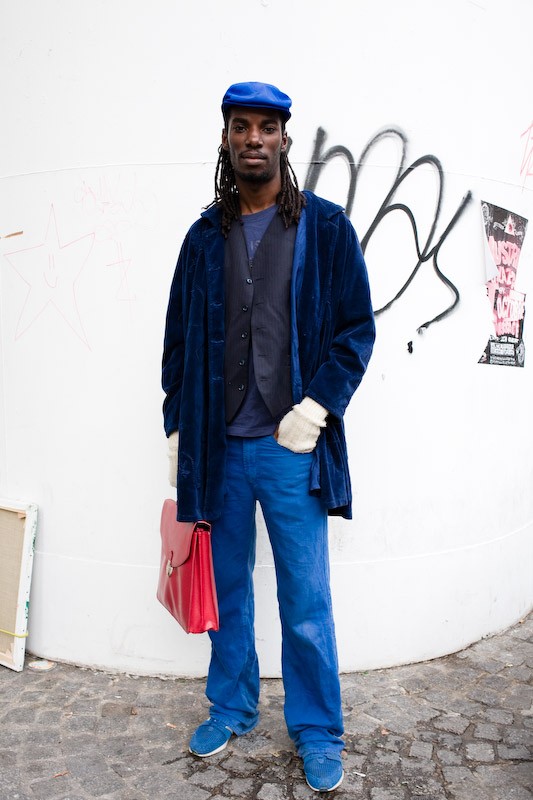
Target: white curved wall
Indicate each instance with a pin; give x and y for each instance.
(111, 124)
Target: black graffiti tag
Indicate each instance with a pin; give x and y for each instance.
(427, 252)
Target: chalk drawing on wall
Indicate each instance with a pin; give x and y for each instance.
(426, 251)
(117, 206)
(526, 167)
(504, 234)
(51, 271)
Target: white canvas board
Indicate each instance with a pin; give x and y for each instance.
(18, 526)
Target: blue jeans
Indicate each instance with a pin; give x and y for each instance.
(261, 470)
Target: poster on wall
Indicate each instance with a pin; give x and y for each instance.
(503, 238)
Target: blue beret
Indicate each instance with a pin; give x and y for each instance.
(257, 95)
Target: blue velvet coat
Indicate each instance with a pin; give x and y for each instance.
(332, 337)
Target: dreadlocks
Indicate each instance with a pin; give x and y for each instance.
(290, 199)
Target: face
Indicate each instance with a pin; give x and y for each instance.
(255, 140)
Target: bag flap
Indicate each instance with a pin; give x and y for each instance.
(176, 537)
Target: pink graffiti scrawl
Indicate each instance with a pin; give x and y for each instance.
(504, 237)
(526, 167)
(51, 271)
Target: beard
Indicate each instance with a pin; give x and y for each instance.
(255, 177)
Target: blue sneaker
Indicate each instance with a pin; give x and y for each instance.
(209, 738)
(323, 771)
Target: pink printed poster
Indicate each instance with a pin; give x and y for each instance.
(503, 239)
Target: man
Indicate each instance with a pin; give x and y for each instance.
(269, 332)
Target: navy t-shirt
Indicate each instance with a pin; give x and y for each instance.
(253, 417)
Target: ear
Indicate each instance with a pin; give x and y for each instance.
(284, 141)
(225, 139)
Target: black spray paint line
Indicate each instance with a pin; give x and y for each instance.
(320, 159)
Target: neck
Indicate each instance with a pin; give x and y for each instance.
(255, 198)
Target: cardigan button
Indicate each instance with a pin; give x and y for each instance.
(244, 335)
(242, 362)
(241, 387)
(249, 280)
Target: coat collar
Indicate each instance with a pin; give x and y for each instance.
(315, 205)
(212, 215)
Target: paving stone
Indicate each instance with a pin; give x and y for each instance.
(80, 723)
(186, 791)
(19, 716)
(519, 753)
(387, 794)
(523, 630)
(352, 787)
(361, 723)
(518, 697)
(499, 716)
(253, 743)
(163, 783)
(401, 714)
(455, 703)
(515, 735)
(43, 769)
(239, 787)
(392, 742)
(485, 695)
(479, 751)
(512, 782)
(487, 731)
(448, 757)
(272, 791)
(9, 738)
(458, 775)
(353, 761)
(209, 778)
(423, 788)
(52, 789)
(500, 682)
(421, 769)
(79, 743)
(116, 710)
(382, 758)
(450, 740)
(453, 724)
(520, 673)
(237, 765)
(432, 795)
(421, 750)
(301, 791)
(7, 759)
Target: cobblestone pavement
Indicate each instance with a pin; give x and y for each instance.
(459, 727)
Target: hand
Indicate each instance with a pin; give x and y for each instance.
(173, 440)
(300, 428)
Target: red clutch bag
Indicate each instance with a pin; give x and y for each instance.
(186, 579)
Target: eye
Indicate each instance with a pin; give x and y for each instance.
(270, 129)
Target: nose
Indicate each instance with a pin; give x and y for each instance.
(255, 137)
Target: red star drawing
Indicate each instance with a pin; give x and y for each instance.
(51, 271)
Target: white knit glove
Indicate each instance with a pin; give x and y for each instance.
(300, 428)
(173, 458)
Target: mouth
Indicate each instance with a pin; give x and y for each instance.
(251, 156)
